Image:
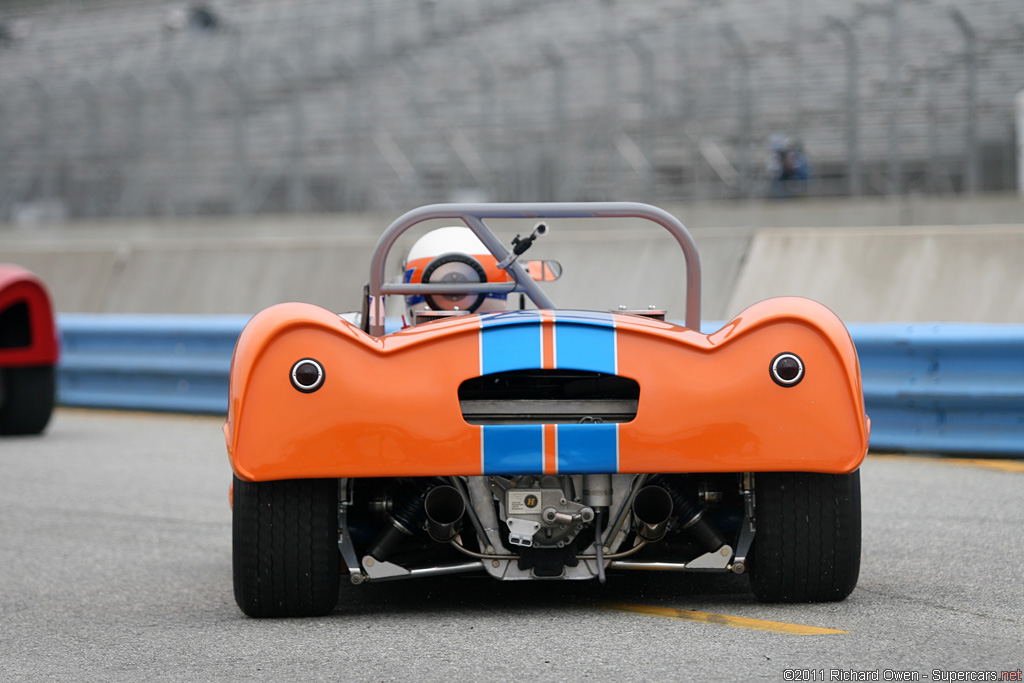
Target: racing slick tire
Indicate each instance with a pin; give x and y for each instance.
(285, 547)
(27, 396)
(807, 544)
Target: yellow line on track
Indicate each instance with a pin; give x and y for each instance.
(1003, 465)
(985, 463)
(721, 619)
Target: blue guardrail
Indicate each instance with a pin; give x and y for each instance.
(176, 363)
(941, 388)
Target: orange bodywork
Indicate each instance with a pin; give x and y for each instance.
(389, 406)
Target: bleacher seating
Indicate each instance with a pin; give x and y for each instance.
(119, 107)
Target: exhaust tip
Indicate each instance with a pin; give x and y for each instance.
(445, 507)
(652, 509)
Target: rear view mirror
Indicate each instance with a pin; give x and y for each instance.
(544, 271)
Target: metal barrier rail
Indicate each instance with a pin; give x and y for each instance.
(944, 388)
(175, 363)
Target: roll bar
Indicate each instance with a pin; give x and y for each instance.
(473, 215)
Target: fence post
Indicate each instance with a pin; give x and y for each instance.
(1020, 142)
(428, 20)
(47, 165)
(417, 78)
(187, 128)
(137, 180)
(92, 131)
(352, 172)
(4, 162)
(683, 41)
(853, 173)
(369, 33)
(559, 85)
(794, 11)
(970, 99)
(746, 105)
(649, 121)
(239, 145)
(488, 117)
(612, 126)
(932, 182)
(895, 156)
(297, 197)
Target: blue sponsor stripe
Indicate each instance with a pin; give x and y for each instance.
(513, 449)
(588, 448)
(585, 343)
(510, 318)
(411, 299)
(510, 341)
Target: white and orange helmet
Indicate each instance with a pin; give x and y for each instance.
(452, 255)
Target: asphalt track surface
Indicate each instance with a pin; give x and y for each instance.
(115, 564)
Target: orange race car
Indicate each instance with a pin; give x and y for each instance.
(541, 443)
(28, 352)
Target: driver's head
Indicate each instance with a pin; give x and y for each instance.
(452, 255)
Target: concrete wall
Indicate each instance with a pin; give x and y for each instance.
(963, 274)
(968, 273)
(604, 268)
(981, 209)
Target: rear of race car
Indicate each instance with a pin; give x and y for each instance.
(544, 444)
(29, 350)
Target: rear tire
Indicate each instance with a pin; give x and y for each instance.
(807, 544)
(285, 547)
(27, 396)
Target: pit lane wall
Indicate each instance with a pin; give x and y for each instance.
(916, 274)
(230, 267)
(870, 261)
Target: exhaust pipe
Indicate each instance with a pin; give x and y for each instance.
(652, 508)
(692, 520)
(690, 515)
(405, 515)
(445, 507)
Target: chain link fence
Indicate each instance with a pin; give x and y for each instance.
(122, 108)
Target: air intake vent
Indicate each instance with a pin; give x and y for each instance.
(548, 397)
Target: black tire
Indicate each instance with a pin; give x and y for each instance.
(285, 547)
(26, 399)
(807, 544)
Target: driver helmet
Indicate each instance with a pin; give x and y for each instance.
(452, 254)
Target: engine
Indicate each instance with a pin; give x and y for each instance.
(541, 511)
(543, 526)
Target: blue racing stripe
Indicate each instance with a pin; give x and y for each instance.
(588, 448)
(411, 299)
(585, 342)
(510, 341)
(513, 449)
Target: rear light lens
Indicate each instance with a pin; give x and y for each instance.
(787, 369)
(307, 375)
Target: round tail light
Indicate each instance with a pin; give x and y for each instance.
(787, 369)
(307, 375)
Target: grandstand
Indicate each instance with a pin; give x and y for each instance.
(118, 107)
